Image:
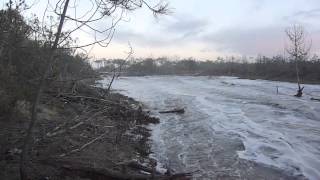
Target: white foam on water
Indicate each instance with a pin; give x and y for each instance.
(278, 130)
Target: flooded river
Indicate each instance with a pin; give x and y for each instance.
(232, 128)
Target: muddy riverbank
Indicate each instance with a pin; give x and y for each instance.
(80, 136)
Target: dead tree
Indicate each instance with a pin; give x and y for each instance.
(298, 50)
(117, 70)
(35, 103)
(101, 9)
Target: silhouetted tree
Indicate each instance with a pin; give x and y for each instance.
(298, 50)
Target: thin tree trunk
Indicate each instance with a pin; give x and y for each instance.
(110, 84)
(27, 140)
(297, 59)
(298, 77)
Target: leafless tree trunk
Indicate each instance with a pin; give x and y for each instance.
(117, 73)
(27, 140)
(298, 50)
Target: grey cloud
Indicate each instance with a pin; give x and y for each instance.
(313, 13)
(258, 4)
(175, 30)
(180, 30)
(307, 17)
(141, 39)
(268, 40)
(248, 41)
(186, 25)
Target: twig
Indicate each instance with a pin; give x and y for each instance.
(91, 98)
(85, 145)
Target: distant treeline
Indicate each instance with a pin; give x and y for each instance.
(274, 68)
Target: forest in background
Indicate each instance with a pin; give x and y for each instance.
(271, 68)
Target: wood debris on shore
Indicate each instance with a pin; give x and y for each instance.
(178, 111)
(85, 135)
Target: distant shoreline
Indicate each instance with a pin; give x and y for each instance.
(280, 79)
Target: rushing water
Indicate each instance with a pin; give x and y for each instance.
(232, 128)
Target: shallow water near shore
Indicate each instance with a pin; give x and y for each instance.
(232, 128)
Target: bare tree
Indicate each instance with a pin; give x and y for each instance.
(100, 9)
(118, 69)
(26, 144)
(298, 50)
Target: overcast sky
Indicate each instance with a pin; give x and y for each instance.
(209, 28)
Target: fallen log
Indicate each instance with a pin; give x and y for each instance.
(85, 145)
(86, 170)
(315, 99)
(138, 166)
(91, 98)
(179, 111)
(58, 130)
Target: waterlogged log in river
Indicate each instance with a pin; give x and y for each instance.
(232, 128)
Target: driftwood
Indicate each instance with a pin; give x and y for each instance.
(299, 92)
(315, 99)
(136, 165)
(85, 145)
(90, 98)
(90, 172)
(179, 111)
(94, 99)
(58, 130)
